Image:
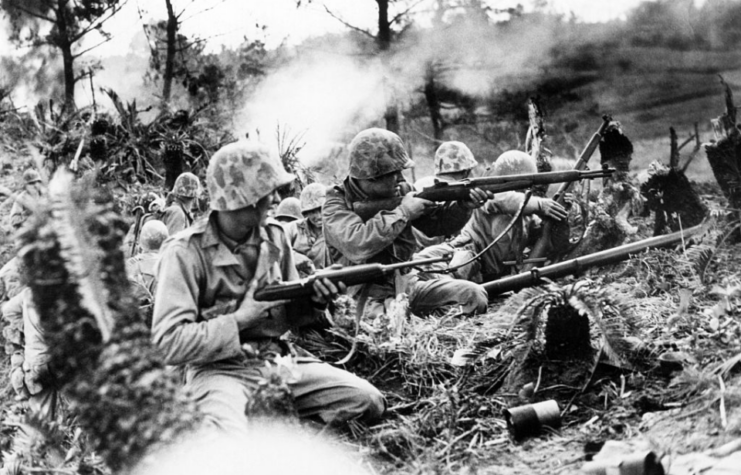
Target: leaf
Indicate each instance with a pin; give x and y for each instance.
(701, 256)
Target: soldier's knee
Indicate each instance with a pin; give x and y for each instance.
(375, 405)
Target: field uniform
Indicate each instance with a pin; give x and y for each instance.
(178, 215)
(207, 274)
(305, 237)
(387, 236)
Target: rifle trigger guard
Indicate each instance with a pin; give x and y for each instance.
(535, 273)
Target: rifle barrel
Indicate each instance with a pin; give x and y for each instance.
(608, 256)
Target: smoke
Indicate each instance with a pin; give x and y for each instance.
(271, 448)
(327, 95)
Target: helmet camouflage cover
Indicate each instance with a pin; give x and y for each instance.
(187, 185)
(453, 157)
(31, 176)
(312, 197)
(153, 234)
(241, 174)
(514, 162)
(289, 208)
(375, 152)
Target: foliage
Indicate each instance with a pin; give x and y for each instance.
(117, 386)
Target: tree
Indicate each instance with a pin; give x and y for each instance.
(61, 24)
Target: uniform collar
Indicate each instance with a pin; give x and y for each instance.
(221, 255)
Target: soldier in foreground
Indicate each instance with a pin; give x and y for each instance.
(377, 158)
(206, 319)
(305, 235)
(489, 221)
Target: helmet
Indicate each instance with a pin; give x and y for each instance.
(187, 186)
(241, 174)
(375, 152)
(453, 157)
(514, 162)
(31, 176)
(152, 235)
(312, 197)
(289, 208)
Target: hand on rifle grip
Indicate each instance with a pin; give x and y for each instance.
(325, 290)
(250, 311)
(552, 209)
(415, 207)
(476, 198)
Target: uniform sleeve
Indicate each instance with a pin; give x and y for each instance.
(509, 202)
(291, 232)
(446, 220)
(358, 241)
(174, 219)
(176, 329)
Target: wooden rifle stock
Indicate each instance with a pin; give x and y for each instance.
(354, 275)
(609, 256)
(543, 244)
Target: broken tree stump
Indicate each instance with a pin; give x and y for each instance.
(724, 155)
(536, 135)
(670, 195)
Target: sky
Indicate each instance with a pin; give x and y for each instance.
(228, 21)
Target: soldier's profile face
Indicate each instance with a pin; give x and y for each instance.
(315, 217)
(384, 186)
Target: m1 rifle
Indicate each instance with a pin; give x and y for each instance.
(460, 190)
(360, 274)
(536, 276)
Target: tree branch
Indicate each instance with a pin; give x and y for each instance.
(77, 55)
(110, 11)
(33, 14)
(198, 13)
(411, 7)
(352, 27)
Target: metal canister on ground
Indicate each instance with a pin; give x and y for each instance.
(640, 463)
(530, 419)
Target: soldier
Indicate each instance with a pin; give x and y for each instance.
(306, 235)
(140, 268)
(488, 222)
(205, 317)
(33, 188)
(377, 158)
(289, 210)
(454, 161)
(179, 215)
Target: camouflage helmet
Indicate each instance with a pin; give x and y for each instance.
(452, 157)
(514, 162)
(312, 197)
(187, 186)
(242, 173)
(289, 208)
(375, 152)
(31, 176)
(152, 235)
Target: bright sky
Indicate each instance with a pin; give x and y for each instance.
(228, 21)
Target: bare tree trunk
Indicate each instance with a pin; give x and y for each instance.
(433, 103)
(68, 60)
(724, 155)
(172, 29)
(384, 44)
(534, 142)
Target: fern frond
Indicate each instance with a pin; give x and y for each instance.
(613, 337)
(83, 264)
(701, 256)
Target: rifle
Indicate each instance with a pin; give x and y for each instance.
(573, 266)
(360, 274)
(460, 190)
(543, 244)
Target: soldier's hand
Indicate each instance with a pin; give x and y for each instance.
(250, 312)
(476, 198)
(325, 290)
(548, 208)
(414, 206)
